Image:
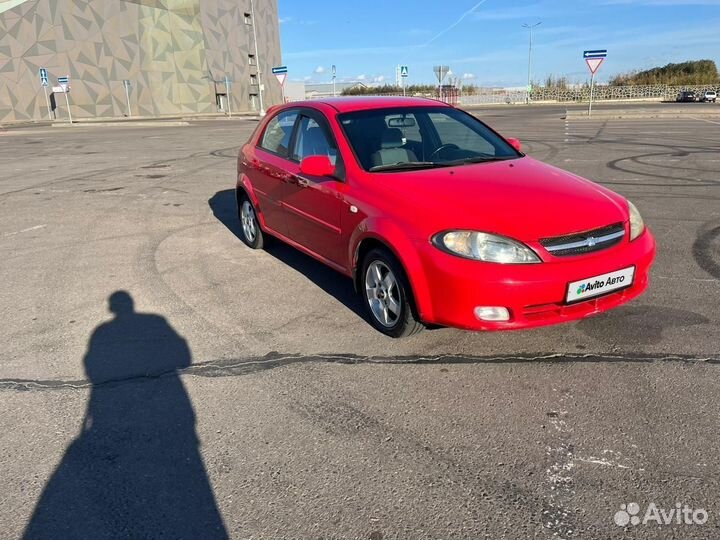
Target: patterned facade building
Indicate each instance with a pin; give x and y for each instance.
(176, 55)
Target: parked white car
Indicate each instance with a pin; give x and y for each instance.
(710, 95)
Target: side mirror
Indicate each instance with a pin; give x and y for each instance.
(515, 143)
(317, 166)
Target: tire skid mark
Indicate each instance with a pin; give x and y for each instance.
(229, 367)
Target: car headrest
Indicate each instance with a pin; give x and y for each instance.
(391, 138)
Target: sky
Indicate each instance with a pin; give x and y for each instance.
(484, 42)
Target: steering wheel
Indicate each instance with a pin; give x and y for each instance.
(448, 146)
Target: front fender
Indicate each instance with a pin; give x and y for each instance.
(405, 250)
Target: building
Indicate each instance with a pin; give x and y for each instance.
(175, 55)
(321, 90)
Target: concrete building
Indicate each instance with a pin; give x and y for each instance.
(174, 53)
(322, 90)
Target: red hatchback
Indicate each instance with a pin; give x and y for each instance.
(437, 218)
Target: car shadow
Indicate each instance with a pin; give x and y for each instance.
(224, 208)
(135, 470)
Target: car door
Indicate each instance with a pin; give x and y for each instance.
(268, 169)
(313, 204)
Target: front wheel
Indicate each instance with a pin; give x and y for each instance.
(387, 295)
(250, 231)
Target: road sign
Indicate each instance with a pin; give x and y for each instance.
(65, 83)
(44, 81)
(594, 60)
(403, 71)
(279, 69)
(594, 64)
(127, 84)
(441, 72)
(281, 78)
(58, 89)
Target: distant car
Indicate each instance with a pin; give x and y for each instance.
(436, 217)
(686, 97)
(710, 95)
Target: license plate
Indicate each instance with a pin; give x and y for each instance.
(602, 284)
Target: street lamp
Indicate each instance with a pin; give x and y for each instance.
(529, 84)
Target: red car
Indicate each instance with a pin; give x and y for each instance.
(436, 217)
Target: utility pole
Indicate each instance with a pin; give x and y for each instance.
(257, 58)
(529, 84)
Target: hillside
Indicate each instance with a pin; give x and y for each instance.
(692, 72)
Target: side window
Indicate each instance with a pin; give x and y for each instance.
(311, 140)
(278, 132)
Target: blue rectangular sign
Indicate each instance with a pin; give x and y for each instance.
(44, 77)
(279, 70)
(600, 53)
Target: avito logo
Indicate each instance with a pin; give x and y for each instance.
(597, 284)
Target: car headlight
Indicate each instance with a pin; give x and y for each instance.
(637, 225)
(485, 247)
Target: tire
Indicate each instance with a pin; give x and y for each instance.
(386, 294)
(250, 231)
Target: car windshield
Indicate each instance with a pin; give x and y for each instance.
(411, 138)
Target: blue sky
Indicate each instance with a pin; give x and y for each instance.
(484, 42)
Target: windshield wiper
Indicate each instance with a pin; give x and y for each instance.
(479, 159)
(408, 166)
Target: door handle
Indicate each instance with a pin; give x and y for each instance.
(301, 181)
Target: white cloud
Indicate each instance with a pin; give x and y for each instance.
(379, 79)
(320, 69)
(308, 78)
(467, 76)
(284, 20)
(361, 77)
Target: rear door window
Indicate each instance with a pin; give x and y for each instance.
(278, 132)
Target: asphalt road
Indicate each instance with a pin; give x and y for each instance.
(244, 395)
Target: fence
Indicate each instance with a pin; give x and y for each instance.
(488, 96)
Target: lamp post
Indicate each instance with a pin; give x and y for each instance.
(529, 84)
(257, 58)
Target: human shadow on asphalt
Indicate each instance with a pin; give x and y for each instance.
(135, 470)
(224, 208)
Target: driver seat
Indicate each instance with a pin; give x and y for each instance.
(391, 149)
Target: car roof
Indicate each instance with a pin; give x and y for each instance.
(364, 103)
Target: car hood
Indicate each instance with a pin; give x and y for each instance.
(521, 198)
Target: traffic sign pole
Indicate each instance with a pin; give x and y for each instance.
(126, 84)
(592, 89)
(47, 102)
(67, 100)
(227, 94)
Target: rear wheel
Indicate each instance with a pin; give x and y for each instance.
(250, 231)
(387, 295)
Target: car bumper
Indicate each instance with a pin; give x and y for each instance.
(534, 294)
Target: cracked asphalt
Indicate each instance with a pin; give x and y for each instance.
(241, 394)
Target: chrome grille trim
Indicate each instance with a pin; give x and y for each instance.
(589, 242)
(585, 242)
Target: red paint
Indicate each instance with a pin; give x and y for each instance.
(328, 217)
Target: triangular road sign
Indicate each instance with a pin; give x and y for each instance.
(281, 78)
(594, 64)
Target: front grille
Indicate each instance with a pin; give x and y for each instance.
(586, 242)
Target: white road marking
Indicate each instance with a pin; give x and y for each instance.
(35, 228)
(705, 120)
